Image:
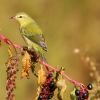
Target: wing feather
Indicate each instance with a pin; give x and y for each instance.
(34, 34)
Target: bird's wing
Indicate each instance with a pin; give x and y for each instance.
(33, 33)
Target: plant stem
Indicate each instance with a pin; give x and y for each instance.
(76, 83)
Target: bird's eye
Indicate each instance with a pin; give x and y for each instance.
(20, 16)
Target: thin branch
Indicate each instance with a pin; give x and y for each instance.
(9, 42)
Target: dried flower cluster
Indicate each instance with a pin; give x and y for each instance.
(12, 68)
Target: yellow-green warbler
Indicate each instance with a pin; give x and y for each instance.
(31, 33)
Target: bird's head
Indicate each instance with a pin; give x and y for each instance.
(22, 18)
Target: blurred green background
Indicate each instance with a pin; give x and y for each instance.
(67, 24)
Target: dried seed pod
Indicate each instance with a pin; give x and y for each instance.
(41, 76)
(26, 64)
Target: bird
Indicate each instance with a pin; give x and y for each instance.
(31, 33)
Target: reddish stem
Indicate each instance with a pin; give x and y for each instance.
(9, 42)
(62, 73)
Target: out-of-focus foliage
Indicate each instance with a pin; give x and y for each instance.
(67, 24)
